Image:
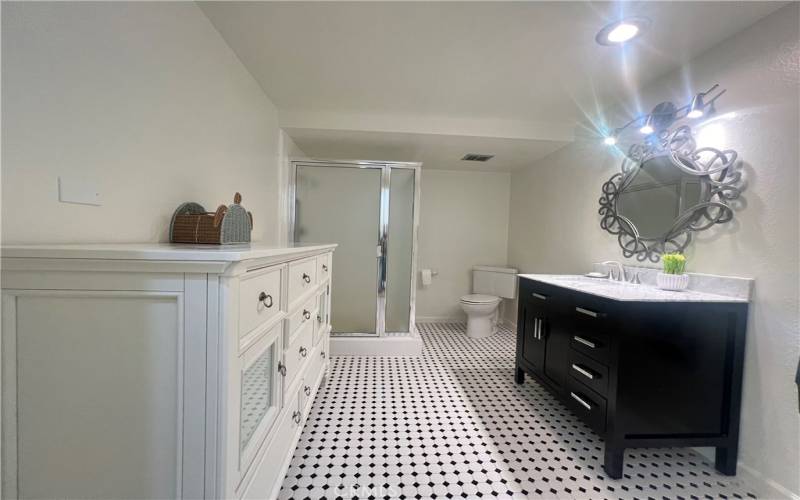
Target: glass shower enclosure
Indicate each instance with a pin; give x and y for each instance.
(370, 210)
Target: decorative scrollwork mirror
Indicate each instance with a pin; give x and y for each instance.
(668, 189)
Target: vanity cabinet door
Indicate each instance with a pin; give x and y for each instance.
(533, 339)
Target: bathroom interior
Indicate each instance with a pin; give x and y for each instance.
(415, 250)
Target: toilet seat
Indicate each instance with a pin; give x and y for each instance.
(478, 298)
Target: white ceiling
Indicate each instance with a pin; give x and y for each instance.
(522, 61)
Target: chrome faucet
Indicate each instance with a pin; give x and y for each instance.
(620, 270)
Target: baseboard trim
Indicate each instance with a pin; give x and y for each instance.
(441, 319)
(376, 346)
(765, 487)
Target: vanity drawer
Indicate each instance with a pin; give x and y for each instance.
(590, 407)
(303, 314)
(589, 330)
(259, 298)
(589, 372)
(298, 351)
(323, 267)
(302, 278)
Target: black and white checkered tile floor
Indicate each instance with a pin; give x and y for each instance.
(452, 424)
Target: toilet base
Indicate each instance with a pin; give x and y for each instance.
(480, 327)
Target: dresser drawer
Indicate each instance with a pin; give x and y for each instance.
(589, 372)
(298, 352)
(304, 314)
(259, 299)
(590, 407)
(302, 278)
(323, 267)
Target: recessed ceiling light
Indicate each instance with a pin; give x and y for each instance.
(622, 31)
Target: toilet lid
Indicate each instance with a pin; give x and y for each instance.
(478, 298)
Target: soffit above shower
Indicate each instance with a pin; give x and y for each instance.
(433, 151)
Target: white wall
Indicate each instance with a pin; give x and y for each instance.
(555, 226)
(463, 222)
(144, 99)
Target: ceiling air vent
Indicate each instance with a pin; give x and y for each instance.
(477, 157)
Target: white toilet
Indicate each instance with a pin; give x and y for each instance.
(489, 286)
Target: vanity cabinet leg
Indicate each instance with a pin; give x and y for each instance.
(613, 461)
(726, 458)
(519, 375)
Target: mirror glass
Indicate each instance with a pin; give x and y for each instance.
(256, 394)
(656, 195)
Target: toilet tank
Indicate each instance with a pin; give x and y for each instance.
(498, 281)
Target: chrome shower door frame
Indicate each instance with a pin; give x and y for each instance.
(383, 231)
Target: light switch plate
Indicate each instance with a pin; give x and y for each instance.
(81, 191)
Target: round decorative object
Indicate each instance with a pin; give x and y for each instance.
(667, 190)
(676, 282)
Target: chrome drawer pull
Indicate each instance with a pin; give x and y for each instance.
(585, 342)
(265, 299)
(296, 417)
(588, 312)
(325, 268)
(306, 278)
(319, 318)
(539, 328)
(583, 371)
(539, 296)
(303, 351)
(306, 314)
(580, 400)
(307, 390)
(281, 368)
(322, 354)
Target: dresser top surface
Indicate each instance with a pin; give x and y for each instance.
(627, 292)
(160, 251)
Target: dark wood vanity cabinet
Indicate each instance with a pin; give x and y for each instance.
(640, 374)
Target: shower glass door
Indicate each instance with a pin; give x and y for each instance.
(368, 210)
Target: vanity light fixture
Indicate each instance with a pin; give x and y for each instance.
(621, 31)
(665, 114)
(610, 140)
(647, 128)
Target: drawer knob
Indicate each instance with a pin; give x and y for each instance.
(296, 417)
(306, 314)
(325, 267)
(303, 351)
(307, 390)
(265, 299)
(319, 318)
(306, 278)
(580, 400)
(322, 354)
(281, 369)
(585, 342)
(583, 371)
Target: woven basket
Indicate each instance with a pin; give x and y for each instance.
(191, 223)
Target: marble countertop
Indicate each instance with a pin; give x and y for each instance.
(628, 292)
(158, 251)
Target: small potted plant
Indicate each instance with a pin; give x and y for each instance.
(673, 277)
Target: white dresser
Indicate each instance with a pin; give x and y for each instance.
(157, 370)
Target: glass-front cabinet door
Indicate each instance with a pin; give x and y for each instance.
(259, 394)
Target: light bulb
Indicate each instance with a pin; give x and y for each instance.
(695, 113)
(622, 33)
(646, 129)
(610, 140)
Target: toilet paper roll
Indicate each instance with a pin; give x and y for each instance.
(426, 277)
